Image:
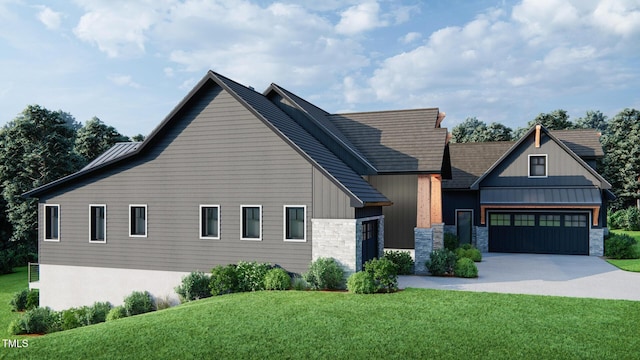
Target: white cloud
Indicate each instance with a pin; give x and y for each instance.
(619, 17)
(51, 19)
(123, 80)
(360, 18)
(410, 37)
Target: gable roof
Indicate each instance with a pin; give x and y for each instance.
(604, 183)
(469, 161)
(584, 142)
(360, 191)
(396, 141)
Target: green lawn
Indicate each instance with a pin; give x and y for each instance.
(411, 324)
(9, 285)
(629, 264)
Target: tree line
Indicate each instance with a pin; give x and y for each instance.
(37, 147)
(620, 141)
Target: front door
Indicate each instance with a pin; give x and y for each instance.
(464, 224)
(369, 240)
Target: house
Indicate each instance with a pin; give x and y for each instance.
(232, 174)
(540, 194)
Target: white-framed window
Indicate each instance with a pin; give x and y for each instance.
(251, 222)
(52, 222)
(537, 166)
(138, 220)
(97, 223)
(210, 222)
(295, 223)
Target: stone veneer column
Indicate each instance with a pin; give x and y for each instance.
(438, 236)
(423, 247)
(482, 238)
(596, 242)
(336, 238)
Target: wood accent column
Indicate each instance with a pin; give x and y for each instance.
(436, 199)
(423, 219)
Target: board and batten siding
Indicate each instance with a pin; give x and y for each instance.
(400, 218)
(562, 168)
(216, 153)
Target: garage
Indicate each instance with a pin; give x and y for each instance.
(539, 232)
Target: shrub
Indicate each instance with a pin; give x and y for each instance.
(451, 241)
(33, 299)
(138, 303)
(632, 219)
(299, 283)
(224, 280)
(16, 327)
(97, 313)
(403, 261)
(163, 303)
(625, 219)
(19, 300)
(277, 279)
(441, 262)
(325, 273)
(194, 286)
(72, 318)
(361, 283)
(40, 321)
(615, 219)
(471, 253)
(251, 275)
(384, 274)
(620, 246)
(465, 268)
(117, 312)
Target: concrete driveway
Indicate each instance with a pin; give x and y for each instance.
(557, 275)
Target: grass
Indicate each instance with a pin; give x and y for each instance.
(9, 285)
(628, 264)
(415, 323)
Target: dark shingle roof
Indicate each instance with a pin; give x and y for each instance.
(470, 160)
(396, 141)
(584, 142)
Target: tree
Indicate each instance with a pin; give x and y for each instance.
(138, 138)
(555, 120)
(621, 144)
(95, 137)
(474, 130)
(35, 148)
(499, 132)
(593, 120)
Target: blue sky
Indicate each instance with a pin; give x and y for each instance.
(130, 62)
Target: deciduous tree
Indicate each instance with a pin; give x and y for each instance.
(96, 137)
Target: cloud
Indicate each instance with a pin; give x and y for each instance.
(360, 18)
(410, 37)
(51, 19)
(123, 80)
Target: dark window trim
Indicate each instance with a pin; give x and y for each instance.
(287, 233)
(93, 223)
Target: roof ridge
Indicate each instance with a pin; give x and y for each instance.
(383, 111)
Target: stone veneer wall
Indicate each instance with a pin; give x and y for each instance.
(423, 247)
(482, 238)
(596, 242)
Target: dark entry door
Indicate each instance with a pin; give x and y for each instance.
(464, 224)
(369, 240)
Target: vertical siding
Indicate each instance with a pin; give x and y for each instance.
(562, 169)
(399, 218)
(329, 201)
(216, 153)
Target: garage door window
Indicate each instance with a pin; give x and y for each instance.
(575, 220)
(524, 220)
(549, 220)
(500, 220)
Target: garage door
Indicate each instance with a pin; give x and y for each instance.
(542, 233)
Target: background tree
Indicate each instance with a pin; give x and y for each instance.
(621, 144)
(474, 130)
(138, 138)
(499, 132)
(95, 137)
(593, 120)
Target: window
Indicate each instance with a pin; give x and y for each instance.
(138, 220)
(524, 220)
(575, 220)
(209, 221)
(98, 223)
(52, 222)
(550, 220)
(295, 223)
(537, 165)
(500, 220)
(251, 222)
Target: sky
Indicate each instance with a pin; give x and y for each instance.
(130, 62)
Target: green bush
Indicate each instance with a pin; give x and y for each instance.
(384, 274)
(615, 219)
(33, 299)
(361, 283)
(451, 241)
(163, 303)
(403, 261)
(633, 219)
(277, 279)
(465, 268)
(72, 318)
(97, 313)
(139, 303)
(441, 262)
(471, 253)
(224, 280)
(251, 275)
(299, 283)
(40, 321)
(117, 312)
(16, 327)
(194, 286)
(19, 300)
(620, 246)
(626, 219)
(325, 274)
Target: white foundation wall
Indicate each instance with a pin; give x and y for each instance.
(63, 287)
(335, 238)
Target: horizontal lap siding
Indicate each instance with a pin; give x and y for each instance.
(217, 153)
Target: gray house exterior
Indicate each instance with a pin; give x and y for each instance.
(230, 174)
(540, 194)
